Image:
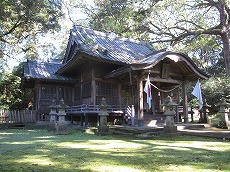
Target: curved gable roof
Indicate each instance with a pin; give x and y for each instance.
(181, 61)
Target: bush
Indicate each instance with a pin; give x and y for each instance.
(214, 89)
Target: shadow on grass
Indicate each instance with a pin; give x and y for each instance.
(42, 150)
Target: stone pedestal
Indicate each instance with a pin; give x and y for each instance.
(170, 114)
(103, 127)
(170, 129)
(140, 123)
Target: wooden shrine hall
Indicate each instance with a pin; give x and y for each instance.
(100, 65)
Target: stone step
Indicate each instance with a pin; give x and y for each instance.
(16, 126)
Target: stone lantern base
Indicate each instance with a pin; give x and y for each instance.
(170, 129)
(228, 124)
(224, 124)
(60, 126)
(61, 129)
(103, 127)
(52, 121)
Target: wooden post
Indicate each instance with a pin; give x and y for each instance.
(185, 100)
(140, 100)
(86, 120)
(39, 89)
(131, 86)
(119, 93)
(81, 120)
(93, 88)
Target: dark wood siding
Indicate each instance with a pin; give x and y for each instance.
(48, 92)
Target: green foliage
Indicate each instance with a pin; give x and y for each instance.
(194, 103)
(205, 51)
(215, 88)
(212, 90)
(12, 96)
(21, 22)
(10, 92)
(217, 69)
(112, 16)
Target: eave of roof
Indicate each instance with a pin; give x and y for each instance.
(82, 56)
(145, 64)
(45, 71)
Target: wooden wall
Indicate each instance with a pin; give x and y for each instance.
(46, 92)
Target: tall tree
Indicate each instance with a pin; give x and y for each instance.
(10, 92)
(178, 22)
(22, 21)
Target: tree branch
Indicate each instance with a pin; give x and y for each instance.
(161, 31)
(211, 31)
(3, 40)
(18, 23)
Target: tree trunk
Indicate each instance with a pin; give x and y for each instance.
(226, 45)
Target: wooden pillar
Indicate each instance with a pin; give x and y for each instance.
(73, 93)
(119, 93)
(93, 88)
(81, 119)
(131, 86)
(185, 100)
(86, 120)
(38, 103)
(140, 98)
(81, 86)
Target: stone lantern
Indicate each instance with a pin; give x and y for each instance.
(224, 111)
(103, 127)
(204, 112)
(170, 114)
(53, 113)
(61, 124)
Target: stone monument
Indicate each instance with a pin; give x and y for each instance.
(61, 127)
(224, 111)
(103, 127)
(170, 114)
(53, 113)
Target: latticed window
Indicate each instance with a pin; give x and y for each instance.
(128, 95)
(65, 93)
(48, 92)
(107, 90)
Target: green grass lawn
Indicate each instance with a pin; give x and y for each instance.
(41, 150)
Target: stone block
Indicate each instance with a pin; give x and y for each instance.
(170, 129)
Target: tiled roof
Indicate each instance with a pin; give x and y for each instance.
(106, 46)
(134, 55)
(43, 70)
